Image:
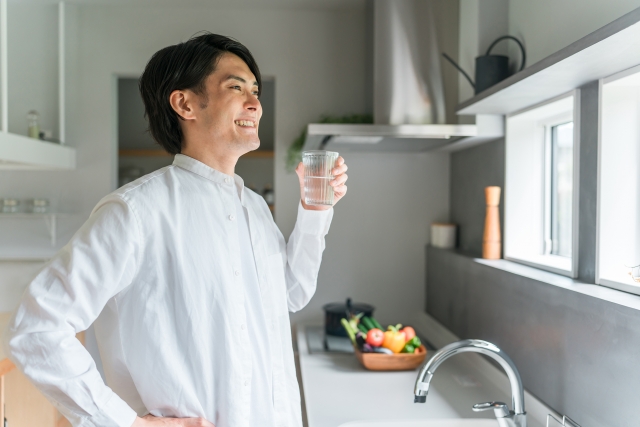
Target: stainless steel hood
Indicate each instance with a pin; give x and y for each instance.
(408, 94)
(384, 137)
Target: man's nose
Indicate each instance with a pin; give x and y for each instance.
(252, 103)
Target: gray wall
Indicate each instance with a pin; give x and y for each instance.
(472, 170)
(576, 353)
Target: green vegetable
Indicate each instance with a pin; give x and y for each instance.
(376, 324)
(363, 328)
(368, 323)
(415, 341)
(408, 348)
(354, 321)
(350, 332)
(411, 345)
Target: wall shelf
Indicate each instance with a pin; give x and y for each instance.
(21, 152)
(606, 51)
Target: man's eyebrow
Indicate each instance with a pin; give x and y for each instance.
(240, 79)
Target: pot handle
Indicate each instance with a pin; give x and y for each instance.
(524, 55)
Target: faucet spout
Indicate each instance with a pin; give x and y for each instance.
(476, 346)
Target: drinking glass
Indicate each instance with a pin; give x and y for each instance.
(317, 174)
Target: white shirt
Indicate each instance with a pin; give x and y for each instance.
(158, 266)
(261, 409)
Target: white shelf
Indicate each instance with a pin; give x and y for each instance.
(51, 224)
(21, 152)
(608, 50)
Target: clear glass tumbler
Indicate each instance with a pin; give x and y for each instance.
(317, 174)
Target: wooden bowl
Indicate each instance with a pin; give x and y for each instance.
(392, 362)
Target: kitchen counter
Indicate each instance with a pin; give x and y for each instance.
(337, 389)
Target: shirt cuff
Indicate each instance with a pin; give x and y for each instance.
(314, 222)
(114, 413)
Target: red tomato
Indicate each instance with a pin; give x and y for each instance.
(375, 337)
(409, 332)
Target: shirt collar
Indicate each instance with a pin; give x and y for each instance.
(199, 168)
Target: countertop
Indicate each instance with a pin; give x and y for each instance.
(337, 389)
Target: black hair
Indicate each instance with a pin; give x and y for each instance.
(180, 67)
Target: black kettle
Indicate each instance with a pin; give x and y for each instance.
(490, 69)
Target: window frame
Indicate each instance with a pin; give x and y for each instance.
(549, 124)
(599, 280)
(548, 262)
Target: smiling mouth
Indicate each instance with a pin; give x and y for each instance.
(245, 123)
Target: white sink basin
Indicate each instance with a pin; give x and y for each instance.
(467, 422)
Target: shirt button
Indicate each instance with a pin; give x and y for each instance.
(246, 383)
(232, 217)
(242, 326)
(237, 272)
(227, 180)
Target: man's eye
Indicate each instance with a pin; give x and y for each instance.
(236, 87)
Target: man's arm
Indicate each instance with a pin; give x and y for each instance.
(65, 298)
(304, 255)
(306, 244)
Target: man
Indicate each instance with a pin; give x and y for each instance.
(185, 273)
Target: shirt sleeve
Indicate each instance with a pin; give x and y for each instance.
(304, 255)
(65, 298)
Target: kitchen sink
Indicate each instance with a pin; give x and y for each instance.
(466, 422)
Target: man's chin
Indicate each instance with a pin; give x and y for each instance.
(248, 146)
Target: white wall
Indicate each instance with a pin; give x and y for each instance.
(376, 246)
(547, 26)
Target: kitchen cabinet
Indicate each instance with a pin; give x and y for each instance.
(25, 405)
(19, 151)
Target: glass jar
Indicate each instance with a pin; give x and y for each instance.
(9, 205)
(38, 206)
(34, 127)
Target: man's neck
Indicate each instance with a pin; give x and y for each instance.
(225, 163)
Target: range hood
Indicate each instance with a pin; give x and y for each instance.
(408, 93)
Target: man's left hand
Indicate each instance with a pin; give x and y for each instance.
(338, 184)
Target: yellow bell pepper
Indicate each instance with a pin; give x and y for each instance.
(393, 340)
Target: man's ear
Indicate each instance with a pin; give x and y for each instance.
(183, 103)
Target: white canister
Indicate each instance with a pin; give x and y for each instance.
(443, 235)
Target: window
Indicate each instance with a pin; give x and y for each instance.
(540, 213)
(618, 251)
(559, 188)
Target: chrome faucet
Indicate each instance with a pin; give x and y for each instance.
(505, 417)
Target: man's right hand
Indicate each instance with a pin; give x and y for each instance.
(151, 421)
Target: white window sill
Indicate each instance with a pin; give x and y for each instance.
(553, 263)
(612, 295)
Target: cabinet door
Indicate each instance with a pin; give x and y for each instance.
(25, 405)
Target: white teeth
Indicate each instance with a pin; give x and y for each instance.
(245, 123)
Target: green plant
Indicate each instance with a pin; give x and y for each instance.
(294, 153)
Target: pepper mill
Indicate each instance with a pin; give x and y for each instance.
(491, 241)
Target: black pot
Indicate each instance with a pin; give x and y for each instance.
(335, 312)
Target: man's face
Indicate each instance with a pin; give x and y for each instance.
(232, 111)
